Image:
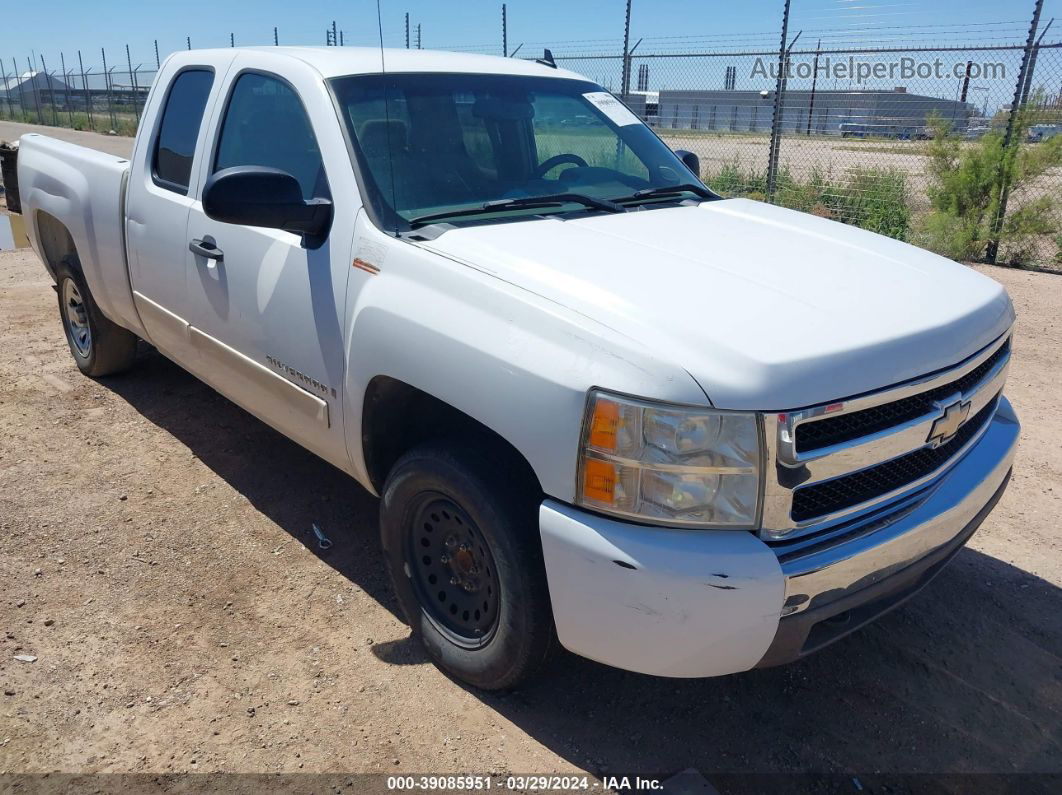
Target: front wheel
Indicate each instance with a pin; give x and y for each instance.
(99, 346)
(462, 546)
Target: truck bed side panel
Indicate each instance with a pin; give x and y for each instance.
(85, 191)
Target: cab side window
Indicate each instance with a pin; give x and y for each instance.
(171, 159)
(265, 124)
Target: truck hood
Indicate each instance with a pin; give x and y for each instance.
(766, 308)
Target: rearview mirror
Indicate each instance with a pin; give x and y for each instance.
(269, 197)
(690, 160)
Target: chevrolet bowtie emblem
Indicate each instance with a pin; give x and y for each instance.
(948, 424)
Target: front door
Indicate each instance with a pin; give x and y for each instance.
(266, 309)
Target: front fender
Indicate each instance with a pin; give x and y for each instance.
(516, 362)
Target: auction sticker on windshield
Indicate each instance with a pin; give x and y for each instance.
(616, 111)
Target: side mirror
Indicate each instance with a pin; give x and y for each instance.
(690, 160)
(269, 197)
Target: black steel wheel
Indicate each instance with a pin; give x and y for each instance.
(453, 571)
(459, 526)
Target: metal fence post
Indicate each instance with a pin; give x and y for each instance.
(7, 90)
(132, 80)
(18, 82)
(505, 34)
(776, 120)
(136, 93)
(276, 37)
(107, 84)
(407, 30)
(51, 90)
(35, 89)
(66, 89)
(84, 86)
(625, 65)
(814, 84)
(1032, 62)
(1009, 153)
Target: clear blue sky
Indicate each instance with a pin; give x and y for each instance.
(67, 25)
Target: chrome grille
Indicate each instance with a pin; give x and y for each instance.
(835, 430)
(844, 492)
(841, 461)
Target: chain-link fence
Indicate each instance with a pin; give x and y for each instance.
(917, 141)
(910, 143)
(107, 99)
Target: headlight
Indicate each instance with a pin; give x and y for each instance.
(675, 465)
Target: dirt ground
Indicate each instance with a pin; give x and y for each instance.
(157, 558)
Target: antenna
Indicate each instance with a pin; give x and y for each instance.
(547, 59)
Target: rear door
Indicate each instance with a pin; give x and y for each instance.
(163, 183)
(267, 317)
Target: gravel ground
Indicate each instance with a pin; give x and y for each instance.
(157, 559)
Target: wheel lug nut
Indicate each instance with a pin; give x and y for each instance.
(465, 547)
(444, 558)
(454, 581)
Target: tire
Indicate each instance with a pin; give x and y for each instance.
(462, 546)
(99, 346)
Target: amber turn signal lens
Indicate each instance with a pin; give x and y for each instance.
(599, 480)
(604, 424)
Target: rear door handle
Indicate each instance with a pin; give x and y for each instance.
(205, 248)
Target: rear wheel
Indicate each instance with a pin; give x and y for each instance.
(462, 546)
(99, 346)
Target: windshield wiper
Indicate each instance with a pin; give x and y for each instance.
(666, 191)
(551, 200)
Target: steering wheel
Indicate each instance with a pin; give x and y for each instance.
(547, 166)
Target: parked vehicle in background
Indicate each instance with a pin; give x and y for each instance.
(1043, 132)
(680, 435)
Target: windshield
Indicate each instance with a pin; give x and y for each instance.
(431, 143)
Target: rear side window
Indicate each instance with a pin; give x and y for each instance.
(266, 125)
(175, 147)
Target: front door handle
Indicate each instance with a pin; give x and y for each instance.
(205, 248)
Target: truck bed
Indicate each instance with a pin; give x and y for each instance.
(84, 190)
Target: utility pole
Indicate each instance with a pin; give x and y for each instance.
(505, 37)
(1008, 155)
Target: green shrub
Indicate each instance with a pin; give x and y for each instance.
(967, 180)
(874, 199)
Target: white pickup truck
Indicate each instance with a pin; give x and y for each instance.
(603, 407)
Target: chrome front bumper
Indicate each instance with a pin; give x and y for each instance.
(836, 588)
